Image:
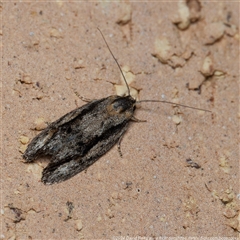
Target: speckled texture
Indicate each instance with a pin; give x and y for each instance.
(79, 138)
(183, 53)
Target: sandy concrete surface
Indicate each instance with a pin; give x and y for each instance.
(179, 174)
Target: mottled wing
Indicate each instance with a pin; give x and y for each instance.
(37, 147)
(79, 138)
(57, 172)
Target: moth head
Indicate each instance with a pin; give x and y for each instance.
(121, 105)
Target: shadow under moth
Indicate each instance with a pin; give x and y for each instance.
(78, 139)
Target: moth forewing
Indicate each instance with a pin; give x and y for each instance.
(81, 137)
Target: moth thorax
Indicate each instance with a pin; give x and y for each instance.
(121, 105)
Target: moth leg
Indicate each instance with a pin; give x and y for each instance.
(83, 98)
(137, 120)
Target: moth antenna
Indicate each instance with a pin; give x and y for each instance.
(180, 105)
(115, 61)
(176, 104)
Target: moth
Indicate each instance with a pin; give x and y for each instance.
(78, 139)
